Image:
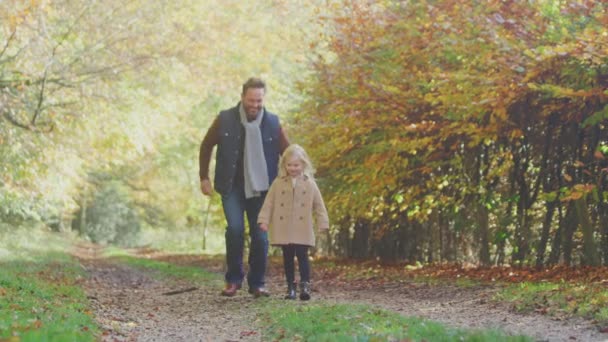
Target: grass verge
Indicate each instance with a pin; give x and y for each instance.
(559, 299)
(322, 322)
(40, 300)
(162, 269)
(584, 293)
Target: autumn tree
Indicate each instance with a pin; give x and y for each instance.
(451, 121)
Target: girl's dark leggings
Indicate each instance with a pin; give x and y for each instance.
(301, 252)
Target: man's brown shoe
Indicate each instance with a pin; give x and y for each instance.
(259, 292)
(230, 290)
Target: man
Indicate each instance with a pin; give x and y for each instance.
(249, 142)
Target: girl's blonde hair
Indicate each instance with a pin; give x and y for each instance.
(297, 151)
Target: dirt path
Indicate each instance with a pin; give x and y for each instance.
(467, 308)
(131, 306)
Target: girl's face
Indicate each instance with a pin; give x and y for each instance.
(294, 166)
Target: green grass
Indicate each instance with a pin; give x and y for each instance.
(163, 269)
(26, 243)
(40, 300)
(317, 322)
(180, 241)
(559, 299)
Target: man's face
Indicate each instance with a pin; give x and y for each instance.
(253, 101)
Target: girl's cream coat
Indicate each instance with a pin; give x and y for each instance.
(288, 211)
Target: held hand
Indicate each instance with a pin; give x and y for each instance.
(325, 233)
(263, 226)
(206, 187)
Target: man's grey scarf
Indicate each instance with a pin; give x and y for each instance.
(254, 162)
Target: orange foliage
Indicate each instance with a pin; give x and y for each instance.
(373, 270)
(425, 100)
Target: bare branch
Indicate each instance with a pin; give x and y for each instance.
(14, 121)
(10, 58)
(45, 127)
(38, 110)
(8, 41)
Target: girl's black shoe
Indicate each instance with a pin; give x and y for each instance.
(291, 291)
(304, 290)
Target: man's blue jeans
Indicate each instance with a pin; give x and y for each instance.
(235, 207)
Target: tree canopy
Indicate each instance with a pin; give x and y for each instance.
(97, 92)
(463, 131)
(441, 130)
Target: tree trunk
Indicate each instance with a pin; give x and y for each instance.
(503, 232)
(82, 225)
(569, 229)
(603, 219)
(604, 224)
(360, 240)
(444, 238)
(483, 224)
(342, 242)
(434, 235)
(544, 238)
(403, 240)
(416, 239)
(522, 228)
(448, 248)
(556, 244)
(522, 234)
(590, 255)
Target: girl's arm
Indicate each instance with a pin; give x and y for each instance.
(318, 207)
(266, 211)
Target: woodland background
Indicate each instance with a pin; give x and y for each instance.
(442, 131)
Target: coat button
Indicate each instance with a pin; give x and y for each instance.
(280, 217)
(282, 205)
(301, 218)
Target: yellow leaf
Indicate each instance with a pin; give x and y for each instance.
(576, 195)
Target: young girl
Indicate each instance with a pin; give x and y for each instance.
(288, 210)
